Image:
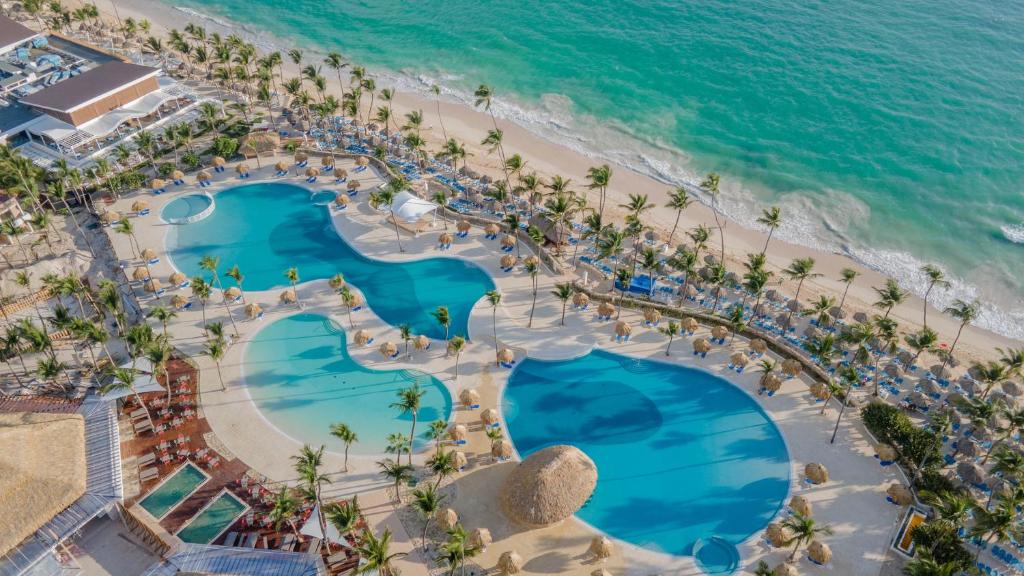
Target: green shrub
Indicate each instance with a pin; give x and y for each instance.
(890, 425)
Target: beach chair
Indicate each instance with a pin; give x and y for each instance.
(143, 426)
(288, 543)
(147, 474)
(147, 458)
(250, 539)
(231, 538)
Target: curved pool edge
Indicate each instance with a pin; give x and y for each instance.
(657, 556)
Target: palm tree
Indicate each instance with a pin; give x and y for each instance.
(772, 219)
(210, 264)
(563, 291)
(533, 270)
(376, 552)
(348, 298)
(494, 297)
(124, 379)
(935, 278)
(924, 340)
(398, 444)
(124, 226)
(1013, 424)
(455, 346)
(162, 314)
(600, 178)
(799, 269)
(671, 330)
(846, 276)
(965, 312)
(803, 530)
(455, 551)
(386, 197)
(848, 376)
(409, 401)
(443, 318)
(442, 464)
(822, 348)
(924, 565)
(283, 509)
(998, 524)
(427, 502)
(201, 291)
(344, 517)
(215, 349)
(710, 185)
(235, 274)
(889, 296)
(343, 432)
(436, 432)
(396, 472)
(307, 464)
(1013, 359)
(292, 274)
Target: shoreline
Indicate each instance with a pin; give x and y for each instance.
(548, 157)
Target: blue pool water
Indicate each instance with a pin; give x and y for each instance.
(174, 490)
(302, 379)
(682, 456)
(179, 210)
(266, 228)
(213, 520)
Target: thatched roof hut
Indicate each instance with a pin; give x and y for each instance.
(109, 217)
(457, 432)
(791, 367)
(232, 293)
(140, 273)
(469, 397)
(510, 562)
(44, 471)
(341, 200)
(690, 324)
(480, 538)
(420, 342)
(900, 494)
(388, 349)
(501, 448)
(816, 473)
(157, 184)
(152, 285)
(178, 300)
(139, 205)
(242, 168)
(288, 296)
(508, 241)
(580, 299)
(218, 161)
(819, 390)
(447, 518)
(623, 329)
(739, 359)
(785, 569)
(549, 486)
(652, 315)
(463, 226)
(777, 534)
(508, 261)
(460, 460)
(491, 229)
(601, 547)
(719, 332)
(819, 552)
(605, 309)
(203, 176)
(281, 167)
(771, 382)
(312, 172)
(800, 505)
(489, 417)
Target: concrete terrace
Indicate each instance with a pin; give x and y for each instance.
(853, 503)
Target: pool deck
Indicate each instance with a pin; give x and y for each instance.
(852, 503)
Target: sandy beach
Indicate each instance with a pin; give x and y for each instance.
(470, 125)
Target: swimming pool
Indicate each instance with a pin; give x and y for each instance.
(214, 519)
(301, 377)
(174, 490)
(188, 208)
(682, 455)
(266, 228)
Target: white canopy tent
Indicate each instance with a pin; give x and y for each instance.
(312, 528)
(144, 381)
(410, 208)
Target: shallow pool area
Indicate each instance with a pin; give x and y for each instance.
(188, 209)
(266, 228)
(300, 375)
(688, 464)
(212, 520)
(173, 490)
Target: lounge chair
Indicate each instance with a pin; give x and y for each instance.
(231, 538)
(288, 543)
(147, 458)
(250, 540)
(146, 474)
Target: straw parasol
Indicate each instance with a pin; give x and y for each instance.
(341, 200)
(288, 296)
(605, 309)
(601, 572)
(177, 175)
(508, 261)
(489, 417)
(816, 473)
(203, 176)
(340, 173)
(532, 260)
(800, 505)
(252, 310)
(771, 382)
(363, 161)
(148, 254)
(312, 172)
(157, 184)
(463, 226)
(353, 185)
(785, 569)
(457, 432)
(44, 468)
(739, 359)
(652, 316)
(388, 349)
(601, 547)
(178, 300)
(819, 552)
(109, 217)
(968, 449)
(506, 356)
(218, 161)
(510, 562)
(420, 342)
(301, 157)
(326, 161)
(900, 494)
(819, 390)
(469, 397)
(1012, 388)
(701, 346)
(361, 338)
(549, 486)
(508, 241)
(970, 472)
(281, 167)
(580, 299)
(480, 538)
(176, 278)
(791, 367)
(719, 332)
(232, 293)
(501, 449)
(623, 329)
(777, 534)
(140, 273)
(460, 460)
(491, 229)
(447, 518)
(139, 205)
(152, 285)
(445, 239)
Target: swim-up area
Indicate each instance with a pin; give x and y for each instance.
(299, 374)
(266, 228)
(683, 456)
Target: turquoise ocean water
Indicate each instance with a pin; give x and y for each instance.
(890, 130)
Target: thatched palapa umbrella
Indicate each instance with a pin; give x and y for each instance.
(469, 397)
(178, 301)
(623, 329)
(817, 473)
(819, 552)
(819, 390)
(148, 254)
(232, 294)
(690, 324)
(340, 173)
(531, 260)
(492, 229)
(139, 205)
(176, 278)
(739, 359)
(771, 382)
(900, 494)
(463, 226)
(791, 367)
(109, 217)
(177, 175)
(388, 349)
(480, 538)
(152, 285)
(800, 505)
(218, 161)
(363, 161)
(288, 297)
(719, 332)
(506, 356)
(510, 562)
(785, 569)
(341, 200)
(203, 176)
(508, 241)
(140, 274)
(457, 432)
(252, 310)
(507, 261)
(301, 157)
(312, 172)
(157, 184)
(549, 486)
(447, 518)
(701, 346)
(777, 534)
(445, 239)
(501, 449)
(652, 316)
(420, 342)
(605, 309)
(489, 417)
(600, 547)
(580, 300)
(971, 472)
(460, 460)
(281, 167)
(361, 338)
(353, 185)
(326, 161)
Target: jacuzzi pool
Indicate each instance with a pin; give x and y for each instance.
(187, 209)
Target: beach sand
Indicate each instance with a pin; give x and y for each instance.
(547, 158)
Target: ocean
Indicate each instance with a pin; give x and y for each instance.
(892, 131)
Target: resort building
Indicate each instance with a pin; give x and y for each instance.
(60, 99)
